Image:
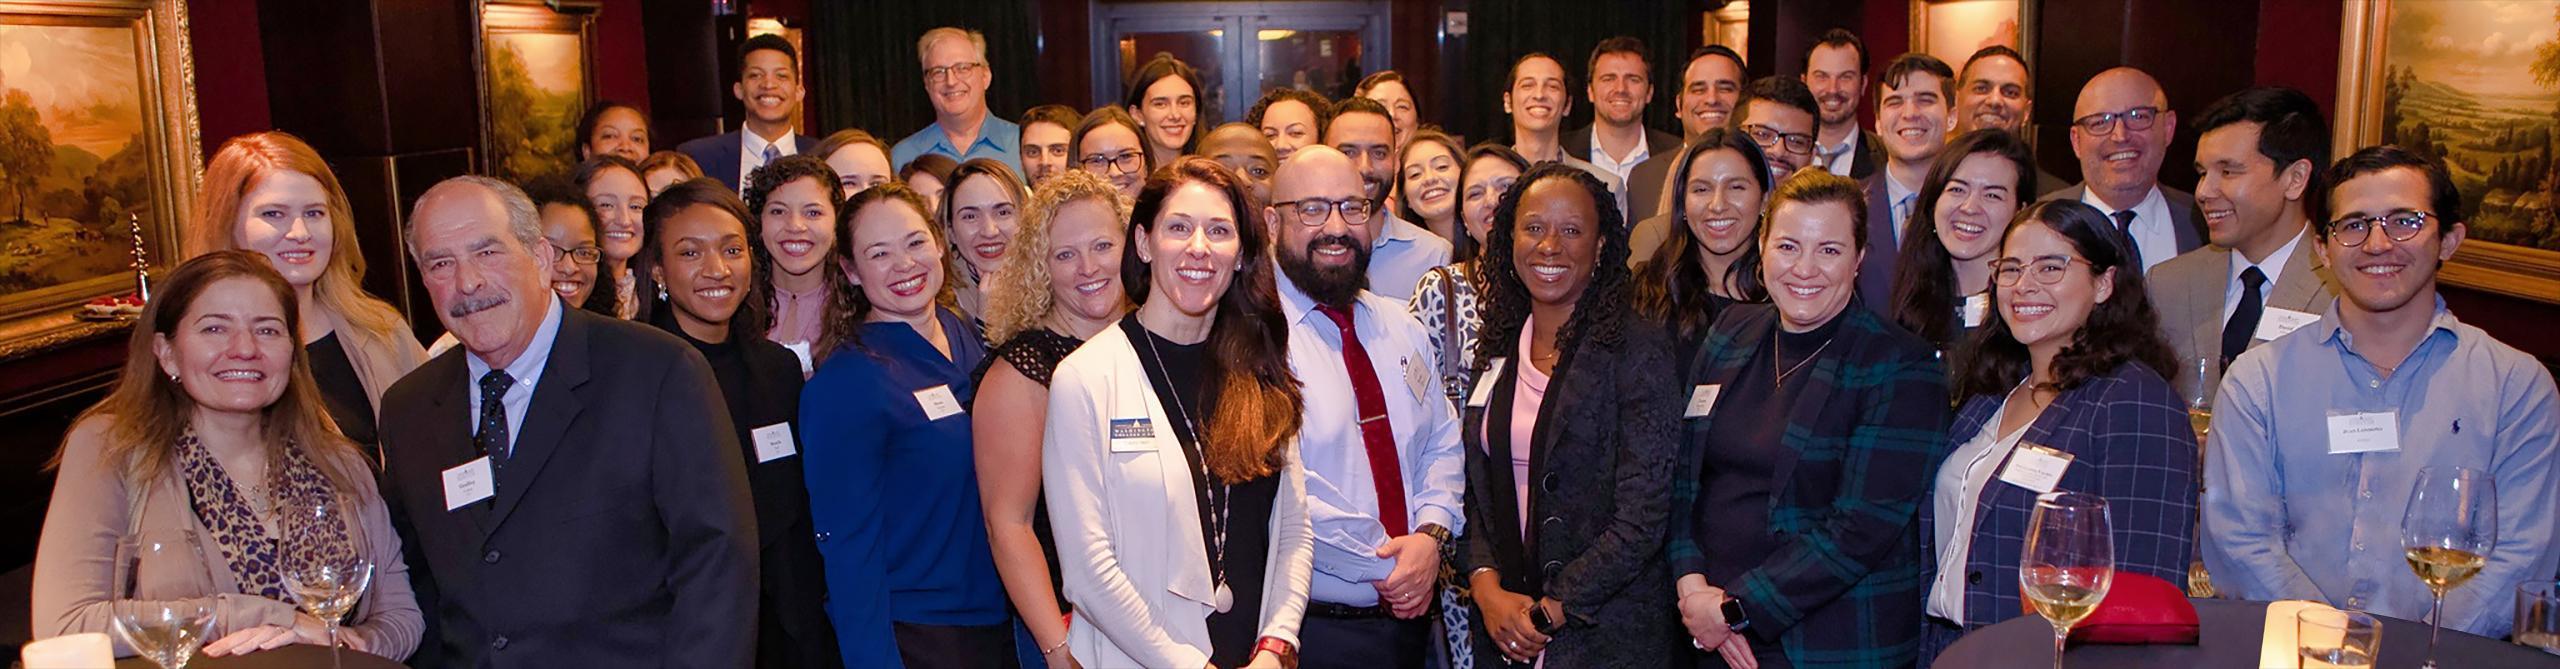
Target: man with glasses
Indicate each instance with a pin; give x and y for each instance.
(1835, 69)
(2257, 160)
(955, 80)
(769, 85)
(2120, 130)
(1778, 114)
(1381, 449)
(1361, 131)
(1710, 87)
(2319, 435)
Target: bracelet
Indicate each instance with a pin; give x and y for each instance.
(1053, 650)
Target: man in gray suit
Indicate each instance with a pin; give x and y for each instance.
(2260, 155)
(2120, 130)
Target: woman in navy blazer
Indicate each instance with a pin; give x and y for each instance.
(2074, 363)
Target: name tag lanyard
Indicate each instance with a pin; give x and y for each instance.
(1213, 495)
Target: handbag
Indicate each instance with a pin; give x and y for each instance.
(2139, 609)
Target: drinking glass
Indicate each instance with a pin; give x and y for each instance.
(2451, 523)
(2337, 638)
(2538, 615)
(165, 631)
(2198, 390)
(326, 574)
(2069, 561)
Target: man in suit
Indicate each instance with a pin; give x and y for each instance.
(955, 81)
(1537, 102)
(1621, 86)
(2120, 130)
(568, 485)
(1911, 116)
(1836, 70)
(1710, 87)
(2259, 156)
(1993, 90)
(769, 84)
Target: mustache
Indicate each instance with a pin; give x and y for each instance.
(474, 304)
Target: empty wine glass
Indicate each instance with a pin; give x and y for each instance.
(322, 559)
(165, 631)
(2337, 639)
(2538, 616)
(2449, 528)
(2069, 562)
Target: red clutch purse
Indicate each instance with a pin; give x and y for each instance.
(2139, 609)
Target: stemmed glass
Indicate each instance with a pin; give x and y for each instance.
(326, 575)
(2450, 526)
(2070, 560)
(2200, 380)
(165, 631)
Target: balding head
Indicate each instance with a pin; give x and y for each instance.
(478, 245)
(2120, 130)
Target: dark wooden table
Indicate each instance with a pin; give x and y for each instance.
(297, 656)
(2231, 636)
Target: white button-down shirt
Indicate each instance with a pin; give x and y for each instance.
(526, 369)
(751, 153)
(2153, 231)
(1600, 154)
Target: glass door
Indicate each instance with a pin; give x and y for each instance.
(1242, 48)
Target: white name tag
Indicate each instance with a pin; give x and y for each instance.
(2035, 468)
(773, 442)
(1418, 377)
(2376, 432)
(2275, 322)
(1130, 435)
(938, 403)
(1485, 383)
(801, 349)
(1976, 307)
(470, 482)
(1702, 400)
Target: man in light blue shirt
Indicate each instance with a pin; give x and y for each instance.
(2299, 503)
(955, 80)
(1380, 441)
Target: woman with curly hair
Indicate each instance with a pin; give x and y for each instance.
(1714, 258)
(794, 200)
(2074, 362)
(1569, 434)
(1059, 286)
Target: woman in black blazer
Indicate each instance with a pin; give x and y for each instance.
(704, 258)
(1568, 490)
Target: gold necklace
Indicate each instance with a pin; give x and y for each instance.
(1779, 351)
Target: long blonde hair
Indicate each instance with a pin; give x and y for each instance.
(1019, 298)
(241, 165)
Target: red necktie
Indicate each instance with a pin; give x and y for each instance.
(1375, 431)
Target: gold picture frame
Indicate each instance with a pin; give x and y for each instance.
(2365, 66)
(112, 85)
(536, 68)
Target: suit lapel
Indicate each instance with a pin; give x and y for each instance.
(2182, 212)
(546, 422)
(2304, 276)
(449, 442)
(2204, 303)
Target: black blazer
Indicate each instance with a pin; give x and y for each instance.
(718, 154)
(1600, 496)
(1577, 143)
(621, 534)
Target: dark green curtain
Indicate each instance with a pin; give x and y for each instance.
(1500, 31)
(862, 60)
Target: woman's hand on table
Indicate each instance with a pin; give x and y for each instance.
(305, 629)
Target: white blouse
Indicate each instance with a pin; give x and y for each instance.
(1959, 490)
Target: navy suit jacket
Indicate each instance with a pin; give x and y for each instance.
(718, 154)
(1875, 272)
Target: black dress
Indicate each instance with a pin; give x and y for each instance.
(343, 392)
(1183, 386)
(1036, 353)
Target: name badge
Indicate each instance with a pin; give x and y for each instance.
(1485, 383)
(2035, 468)
(470, 482)
(2376, 432)
(773, 442)
(938, 403)
(1418, 377)
(801, 350)
(2275, 322)
(1133, 434)
(1976, 308)
(1702, 400)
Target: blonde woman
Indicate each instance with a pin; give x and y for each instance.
(270, 194)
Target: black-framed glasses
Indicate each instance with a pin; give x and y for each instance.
(936, 75)
(583, 255)
(1126, 161)
(2136, 119)
(1311, 212)
(2400, 226)
(2047, 271)
(1769, 138)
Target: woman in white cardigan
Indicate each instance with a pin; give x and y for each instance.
(1169, 461)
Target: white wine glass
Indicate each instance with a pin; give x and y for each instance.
(2069, 562)
(322, 559)
(165, 631)
(2448, 530)
(2198, 391)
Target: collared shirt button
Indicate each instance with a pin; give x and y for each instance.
(2376, 383)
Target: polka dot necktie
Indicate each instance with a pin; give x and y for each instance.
(492, 437)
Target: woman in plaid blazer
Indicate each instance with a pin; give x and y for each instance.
(1812, 426)
(2074, 363)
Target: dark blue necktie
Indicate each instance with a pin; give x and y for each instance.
(2244, 319)
(492, 436)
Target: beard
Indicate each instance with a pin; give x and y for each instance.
(1329, 286)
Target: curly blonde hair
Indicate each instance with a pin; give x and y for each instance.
(1019, 298)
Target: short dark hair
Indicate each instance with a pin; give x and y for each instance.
(1626, 44)
(767, 42)
(1513, 79)
(1353, 105)
(2441, 196)
(1314, 101)
(2000, 51)
(1782, 90)
(1063, 116)
(1837, 38)
(595, 114)
(2290, 126)
(1903, 66)
(1716, 50)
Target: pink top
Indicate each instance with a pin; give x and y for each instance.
(798, 318)
(1525, 398)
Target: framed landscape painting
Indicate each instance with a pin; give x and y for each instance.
(2477, 85)
(98, 142)
(535, 82)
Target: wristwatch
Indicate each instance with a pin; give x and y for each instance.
(1538, 618)
(1288, 653)
(1735, 618)
(1436, 532)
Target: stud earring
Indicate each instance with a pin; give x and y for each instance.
(662, 293)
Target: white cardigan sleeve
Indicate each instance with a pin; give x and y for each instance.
(1292, 554)
(1074, 450)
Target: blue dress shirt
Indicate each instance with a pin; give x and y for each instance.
(997, 138)
(1400, 256)
(526, 369)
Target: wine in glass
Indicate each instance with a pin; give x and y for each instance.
(2199, 395)
(2448, 530)
(2069, 561)
(2538, 615)
(2337, 639)
(323, 559)
(165, 631)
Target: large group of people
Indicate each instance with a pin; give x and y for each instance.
(1112, 389)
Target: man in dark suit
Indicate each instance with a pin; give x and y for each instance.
(2120, 130)
(1621, 86)
(769, 84)
(568, 485)
(1710, 88)
(1911, 114)
(1835, 68)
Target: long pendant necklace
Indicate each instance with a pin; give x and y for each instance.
(1781, 352)
(1224, 598)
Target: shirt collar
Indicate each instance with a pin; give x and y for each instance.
(1297, 307)
(2273, 266)
(2150, 203)
(755, 143)
(528, 364)
(994, 133)
(2333, 331)
(1396, 230)
(1893, 190)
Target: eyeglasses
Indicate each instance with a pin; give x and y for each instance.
(2048, 271)
(1311, 212)
(583, 255)
(1126, 161)
(1768, 138)
(2400, 226)
(2136, 119)
(936, 75)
